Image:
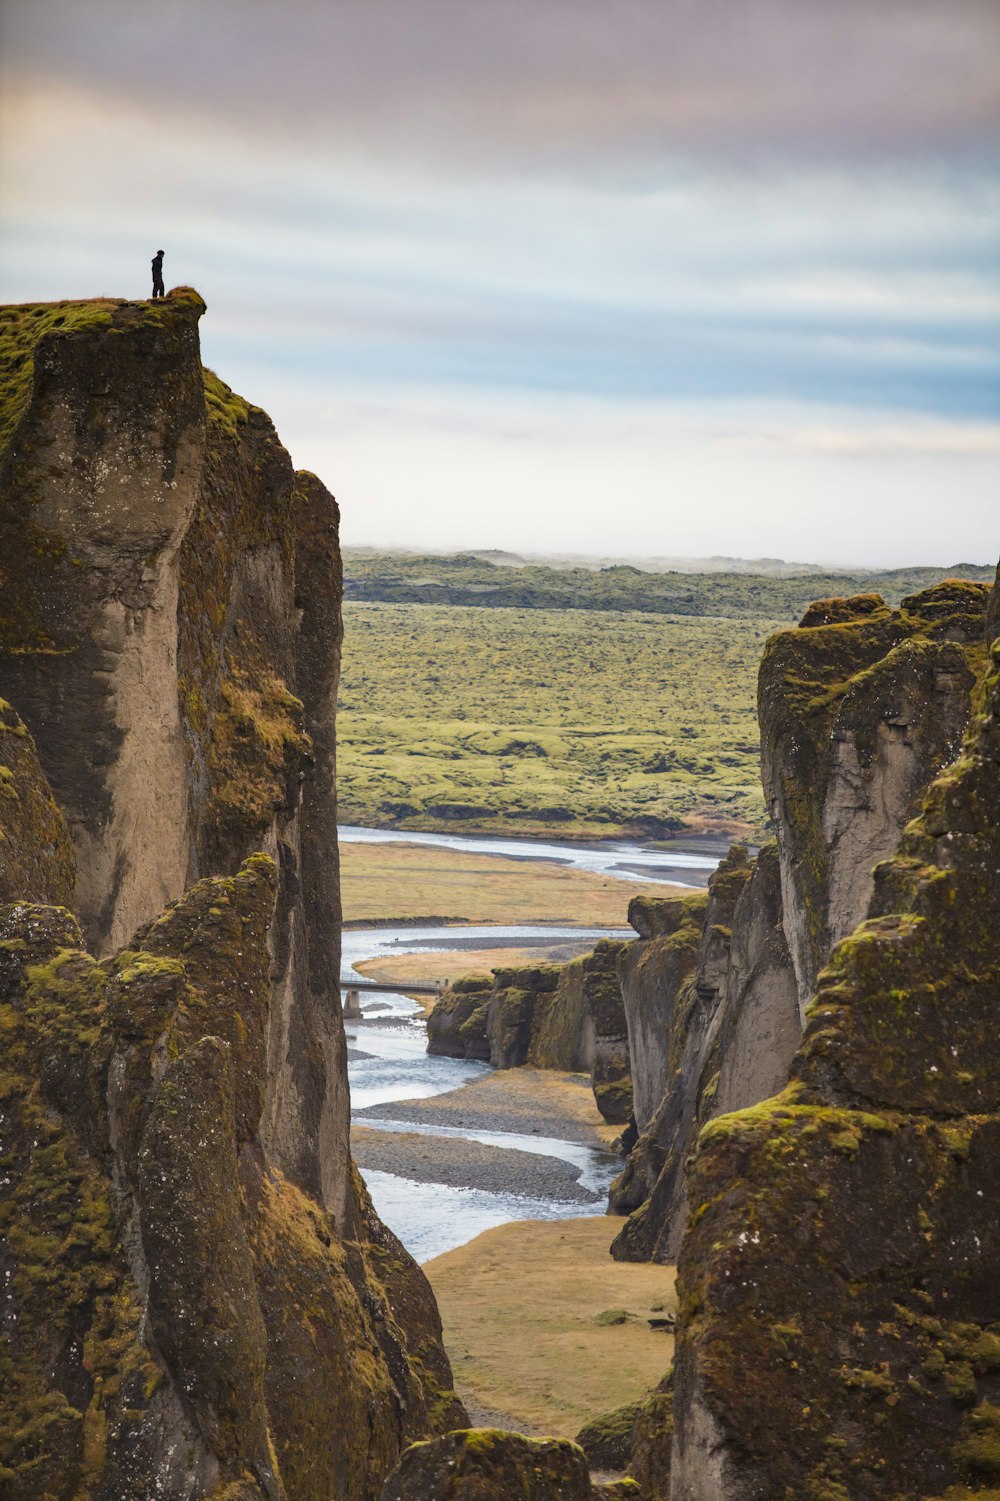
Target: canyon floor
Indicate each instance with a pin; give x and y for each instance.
(392, 882)
(522, 1307)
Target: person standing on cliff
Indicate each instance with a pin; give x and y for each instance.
(158, 274)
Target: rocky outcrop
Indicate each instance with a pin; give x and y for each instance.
(859, 708)
(839, 1301)
(198, 1299)
(178, 1314)
(485, 1464)
(720, 979)
(37, 863)
(562, 1016)
(171, 639)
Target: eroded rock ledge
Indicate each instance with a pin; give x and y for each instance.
(198, 1300)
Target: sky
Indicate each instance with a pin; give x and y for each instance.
(621, 277)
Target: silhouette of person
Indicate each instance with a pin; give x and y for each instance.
(158, 274)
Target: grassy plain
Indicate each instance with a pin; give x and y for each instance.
(519, 1305)
(556, 722)
(405, 881)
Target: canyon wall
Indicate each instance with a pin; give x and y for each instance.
(198, 1297)
(839, 1315)
(859, 707)
(562, 1016)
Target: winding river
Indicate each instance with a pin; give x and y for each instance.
(387, 1046)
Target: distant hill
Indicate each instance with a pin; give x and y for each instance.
(759, 588)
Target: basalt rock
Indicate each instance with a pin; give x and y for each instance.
(178, 1315)
(567, 1017)
(37, 863)
(722, 984)
(198, 1297)
(839, 1330)
(171, 638)
(486, 1464)
(859, 708)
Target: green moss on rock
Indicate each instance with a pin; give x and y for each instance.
(37, 861)
(485, 1464)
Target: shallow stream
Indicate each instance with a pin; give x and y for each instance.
(388, 1060)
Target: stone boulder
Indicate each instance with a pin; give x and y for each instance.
(485, 1464)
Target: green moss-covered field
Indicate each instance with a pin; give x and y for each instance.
(563, 722)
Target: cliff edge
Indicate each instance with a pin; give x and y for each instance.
(198, 1298)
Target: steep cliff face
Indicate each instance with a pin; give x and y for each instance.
(564, 1016)
(859, 708)
(198, 1298)
(37, 863)
(172, 642)
(179, 1316)
(729, 1010)
(839, 1300)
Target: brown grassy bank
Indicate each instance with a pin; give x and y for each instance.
(382, 881)
(520, 1306)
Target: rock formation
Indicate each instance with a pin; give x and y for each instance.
(562, 1016)
(839, 1331)
(729, 1013)
(859, 707)
(198, 1298)
(485, 1464)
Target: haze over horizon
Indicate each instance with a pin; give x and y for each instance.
(620, 279)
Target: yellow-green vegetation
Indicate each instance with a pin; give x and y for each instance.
(21, 327)
(563, 722)
(521, 1307)
(222, 405)
(383, 881)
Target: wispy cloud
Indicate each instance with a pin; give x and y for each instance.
(625, 208)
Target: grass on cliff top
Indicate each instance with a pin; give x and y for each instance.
(21, 327)
(519, 1305)
(404, 881)
(556, 722)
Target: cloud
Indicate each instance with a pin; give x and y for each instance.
(564, 81)
(733, 263)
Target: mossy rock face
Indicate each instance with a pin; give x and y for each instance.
(651, 1442)
(859, 709)
(143, 1218)
(37, 861)
(675, 988)
(456, 1028)
(607, 1440)
(485, 1464)
(844, 1236)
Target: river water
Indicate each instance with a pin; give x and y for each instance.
(387, 1047)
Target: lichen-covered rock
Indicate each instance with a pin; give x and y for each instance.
(610, 1073)
(485, 1464)
(178, 1316)
(652, 973)
(839, 1305)
(172, 642)
(563, 1016)
(607, 1440)
(37, 862)
(198, 1298)
(456, 1028)
(652, 1182)
(651, 1442)
(859, 708)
